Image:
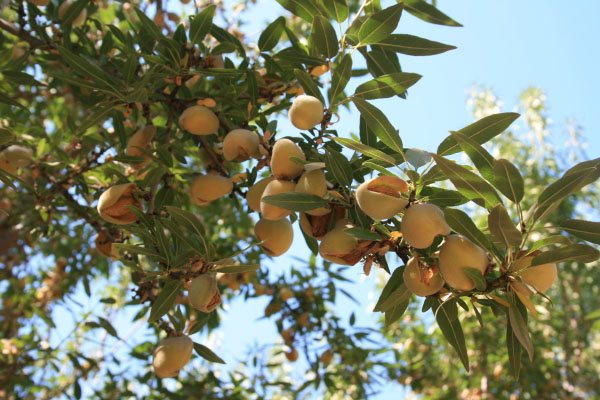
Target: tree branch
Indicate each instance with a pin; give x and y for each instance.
(22, 34)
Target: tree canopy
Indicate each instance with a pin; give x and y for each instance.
(145, 180)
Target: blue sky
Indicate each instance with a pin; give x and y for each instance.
(506, 45)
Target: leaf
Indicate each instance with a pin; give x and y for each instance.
(20, 78)
(237, 268)
(366, 150)
(460, 222)
(362, 233)
(481, 158)
(414, 45)
(397, 310)
(301, 8)
(519, 328)
(514, 349)
(296, 56)
(467, 183)
(323, 37)
(108, 327)
(5, 136)
(140, 250)
(379, 125)
(337, 9)
(502, 227)
(586, 230)
(573, 180)
(381, 61)
(270, 36)
(380, 25)
(417, 157)
(476, 276)
(201, 23)
(73, 11)
(443, 197)
(296, 201)
(480, 131)
(207, 353)
(341, 76)
(387, 85)
(508, 180)
(4, 98)
(86, 68)
(308, 84)
(446, 316)
(427, 12)
(573, 252)
(165, 300)
(339, 166)
(395, 282)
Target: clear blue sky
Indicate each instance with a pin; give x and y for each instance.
(507, 45)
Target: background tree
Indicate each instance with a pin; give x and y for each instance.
(120, 139)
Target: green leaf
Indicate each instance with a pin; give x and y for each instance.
(296, 56)
(4, 98)
(443, 197)
(467, 183)
(86, 68)
(477, 277)
(337, 9)
(140, 250)
(379, 125)
(395, 282)
(387, 85)
(413, 45)
(481, 158)
(296, 201)
(201, 23)
(547, 241)
(508, 180)
(381, 61)
(270, 36)
(308, 84)
(519, 327)
(207, 353)
(362, 234)
(514, 349)
(323, 37)
(223, 36)
(301, 8)
(339, 166)
(446, 316)
(73, 11)
(502, 227)
(425, 11)
(380, 25)
(460, 222)
(573, 252)
(20, 78)
(366, 150)
(341, 75)
(480, 131)
(165, 300)
(108, 327)
(573, 180)
(586, 230)
(397, 310)
(6, 136)
(237, 268)
(399, 295)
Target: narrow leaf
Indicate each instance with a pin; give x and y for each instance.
(339, 167)
(427, 12)
(477, 277)
(296, 201)
(341, 76)
(271, 35)
(446, 317)
(387, 85)
(460, 222)
(508, 180)
(379, 125)
(165, 299)
(201, 23)
(301, 8)
(380, 25)
(366, 150)
(480, 131)
(502, 227)
(323, 37)
(207, 353)
(586, 230)
(573, 252)
(519, 328)
(308, 84)
(481, 158)
(413, 45)
(337, 9)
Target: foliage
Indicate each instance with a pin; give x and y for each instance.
(92, 103)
